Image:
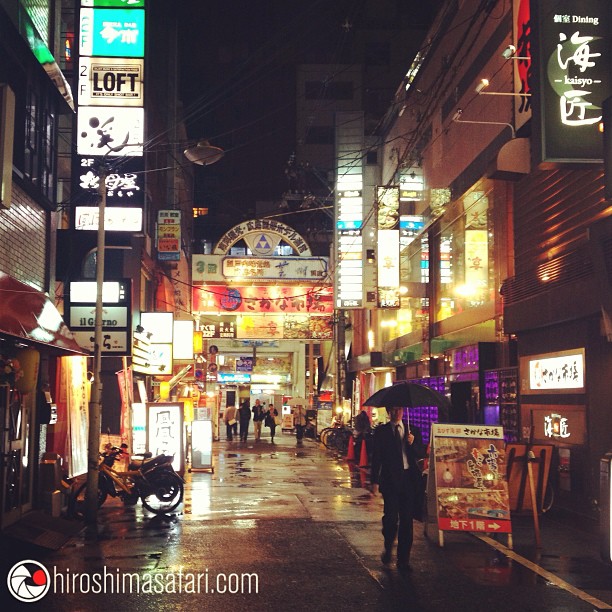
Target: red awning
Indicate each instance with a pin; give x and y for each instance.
(29, 314)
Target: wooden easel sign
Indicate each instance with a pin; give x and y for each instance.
(469, 476)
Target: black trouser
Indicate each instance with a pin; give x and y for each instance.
(398, 513)
(244, 429)
(299, 431)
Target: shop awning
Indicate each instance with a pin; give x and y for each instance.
(29, 314)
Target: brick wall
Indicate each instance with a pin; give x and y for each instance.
(23, 240)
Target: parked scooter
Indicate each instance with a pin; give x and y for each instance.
(150, 479)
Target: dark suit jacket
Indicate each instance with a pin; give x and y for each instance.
(388, 466)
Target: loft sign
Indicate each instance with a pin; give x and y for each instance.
(107, 81)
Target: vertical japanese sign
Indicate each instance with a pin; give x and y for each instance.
(522, 61)
(470, 478)
(388, 247)
(169, 235)
(573, 45)
(165, 431)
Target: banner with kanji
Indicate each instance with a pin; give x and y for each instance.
(469, 468)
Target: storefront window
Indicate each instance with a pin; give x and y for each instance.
(465, 249)
(414, 276)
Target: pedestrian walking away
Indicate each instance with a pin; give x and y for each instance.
(299, 420)
(395, 469)
(230, 422)
(245, 416)
(258, 417)
(270, 421)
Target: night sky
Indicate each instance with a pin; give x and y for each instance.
(237, 73)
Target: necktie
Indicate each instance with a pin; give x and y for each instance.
(398, 438)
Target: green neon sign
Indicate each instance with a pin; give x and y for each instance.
(115, 3)
(112, 32)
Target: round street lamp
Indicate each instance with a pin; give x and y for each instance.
(203, 153)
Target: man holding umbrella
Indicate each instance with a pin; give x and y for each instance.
(394, 467)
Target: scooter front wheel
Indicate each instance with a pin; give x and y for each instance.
(165, 493)
(77, 504)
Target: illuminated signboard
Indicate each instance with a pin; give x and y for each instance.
(233, 377)
(556, 423)
(285, 268)
(113, 342)
(169, 235)
(182, 345)
(116, 315)
(388, 261)
(411, 185)
(556, 426)
(561, 372)
(349, 276)
(387, 208)
(469, 478)
(113, 292)
(115, 219)
(106, 81)
(159, 324)
(112, 316)
(116, 3)
(124, 185)
(165, 431)
(112, 131)
(112, 32)
(262, 299)
(206, 268)
(350, 210)
(410, 226)
(574, 51)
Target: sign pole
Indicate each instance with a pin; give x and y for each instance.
(95, 404)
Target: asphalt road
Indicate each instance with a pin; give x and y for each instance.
(281, 527)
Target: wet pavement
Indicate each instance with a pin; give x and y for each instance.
(281, 527)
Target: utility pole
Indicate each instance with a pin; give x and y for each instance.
(95, 404)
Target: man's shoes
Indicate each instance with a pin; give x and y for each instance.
(385, 557)
(404, 566)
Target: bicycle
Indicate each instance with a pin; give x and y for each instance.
(151, 479)
(338, 439)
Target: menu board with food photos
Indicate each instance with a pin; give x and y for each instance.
(468, 471)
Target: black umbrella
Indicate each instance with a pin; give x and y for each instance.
(409, 394)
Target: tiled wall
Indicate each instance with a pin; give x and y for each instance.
(23, 240)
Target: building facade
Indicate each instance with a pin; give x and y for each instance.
(502, 221)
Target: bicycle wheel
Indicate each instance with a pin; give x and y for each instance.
(324, 433)
(330, 439)
(164, 493)
(342, 440)
(77, 503)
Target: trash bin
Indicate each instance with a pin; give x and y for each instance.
(605, 516)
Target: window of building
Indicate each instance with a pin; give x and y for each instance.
(464, 248)
(328, 90)
(320, 134)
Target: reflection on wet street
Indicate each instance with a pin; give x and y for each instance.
(303, 520)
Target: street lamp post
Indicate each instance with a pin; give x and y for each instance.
(95, 404)
(202, 154)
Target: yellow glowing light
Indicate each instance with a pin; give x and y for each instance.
(164, 390)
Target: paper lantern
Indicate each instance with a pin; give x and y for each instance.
(164, 390)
